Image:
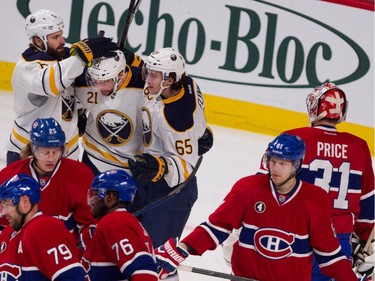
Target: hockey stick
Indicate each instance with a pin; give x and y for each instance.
(212, 273)
(132, 10)
(175, 191)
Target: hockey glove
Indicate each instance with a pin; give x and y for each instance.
(365, 263)
(168, 257)
(147, 167)
(89, 49)
(206, 141)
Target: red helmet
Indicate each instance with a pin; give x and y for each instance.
(327, 101)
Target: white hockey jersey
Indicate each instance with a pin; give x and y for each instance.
(42, 88)
(172, 128)
(114, 124)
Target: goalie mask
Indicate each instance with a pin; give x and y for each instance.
(107, 74)
(43, 23)
(327, 101)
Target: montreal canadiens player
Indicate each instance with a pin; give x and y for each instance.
(34, 246)
(121, 248)
(284, 222)
(340, 163)
(64, 182)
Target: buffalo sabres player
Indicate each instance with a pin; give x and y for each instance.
(284, 221)
(173, 121)
(34, 246)
(64, 182)
(43, 77)
(113, 97)
(341, 164)
(121, 249)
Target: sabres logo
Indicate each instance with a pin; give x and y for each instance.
(114, 127)
(68, 104)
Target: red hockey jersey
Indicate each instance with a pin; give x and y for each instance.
(42, 250)
(277, 240)
(64, 194)
(341, 164)
(120, 249)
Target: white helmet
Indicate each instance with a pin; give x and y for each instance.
(166, 60)
(108, 68)
(42, 23)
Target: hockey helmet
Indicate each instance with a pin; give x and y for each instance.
(43, 23)
(20, 185)
(327, 101)
(47, 132)
(166, 60)
(288, 147)
(115, 180)
(105, 69)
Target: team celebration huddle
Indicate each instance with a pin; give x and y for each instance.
(100, 176)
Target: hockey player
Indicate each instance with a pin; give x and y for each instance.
(284, 221)
(34, 246)
(114, 99)
(173, 121)
(43, 76)
(341, 164)
(64, 182)
(121, 248)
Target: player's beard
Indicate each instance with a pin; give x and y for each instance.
(99, 210)
(59, 55)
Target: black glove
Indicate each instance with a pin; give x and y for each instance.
(82, 120)
(89, 49)
(206, 141)
(147, 167)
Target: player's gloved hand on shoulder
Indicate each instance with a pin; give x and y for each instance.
(93, 48)
(147, 167)
(168, 257)
(206, 141)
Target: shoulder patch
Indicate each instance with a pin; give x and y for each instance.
(179, 112)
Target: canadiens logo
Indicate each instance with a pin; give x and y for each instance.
(114, 127)
(13, 271)
(273, 243)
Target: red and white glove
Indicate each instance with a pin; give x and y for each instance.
(168, 257)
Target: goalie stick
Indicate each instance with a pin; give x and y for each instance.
(132, 10)
(212, 273)
(175, 191)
